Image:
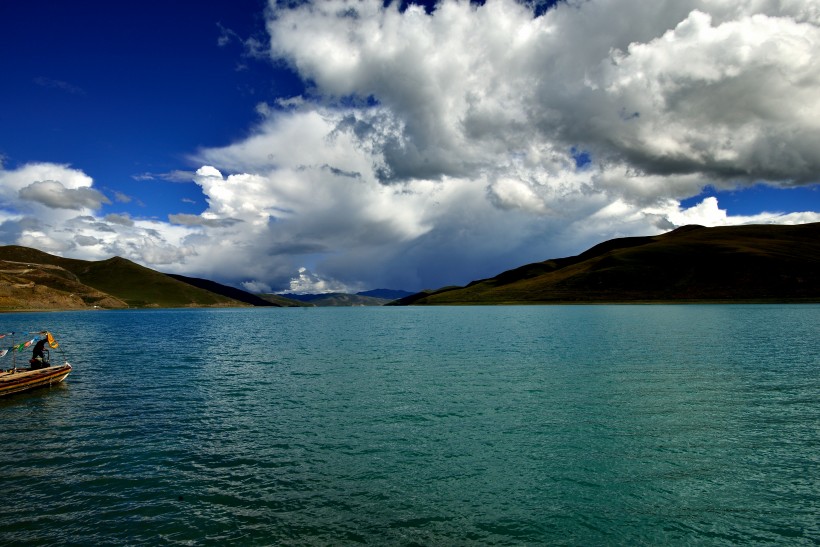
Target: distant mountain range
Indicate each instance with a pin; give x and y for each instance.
(34, 280)
(755, 263)
(375, 297)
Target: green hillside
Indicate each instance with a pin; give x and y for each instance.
(741, 263)
(140, 287)
(115, 282)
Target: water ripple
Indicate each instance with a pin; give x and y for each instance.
(558, 425)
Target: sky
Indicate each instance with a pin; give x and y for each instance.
(352, 145)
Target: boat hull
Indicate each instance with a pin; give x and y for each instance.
(19, 380)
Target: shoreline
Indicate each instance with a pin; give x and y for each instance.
(647, 302)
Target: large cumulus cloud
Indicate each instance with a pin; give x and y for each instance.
(723, 89)
(435, 147)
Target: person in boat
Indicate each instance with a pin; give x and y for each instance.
(38, 358)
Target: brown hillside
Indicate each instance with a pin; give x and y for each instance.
(38, 280)
(25, 285)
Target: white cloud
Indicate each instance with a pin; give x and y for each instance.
(709, 213)
(464, 161)
(176, 175)
(709, 98)
(256, 287)
(12, 181)
(201, 220)
(667, 88)
(122, 220)
(122, 198)
(53, 194)
(54, 208)
(509, 193)
(44, 242)
(309, 283)
(489, 103)
(86, 241)
(432, 149)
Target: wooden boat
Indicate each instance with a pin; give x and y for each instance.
(23, 379)
(41, 373)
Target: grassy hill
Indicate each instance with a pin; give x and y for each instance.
(32, 279)
(29, 286)
(755, 263)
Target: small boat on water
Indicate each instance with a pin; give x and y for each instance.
(23, 379)
(40, 373)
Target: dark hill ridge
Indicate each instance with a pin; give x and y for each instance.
(753, 263)
(224, 290)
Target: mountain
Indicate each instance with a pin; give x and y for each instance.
(337, 299)
(753, 263)
(224, 290)
(31, 286)
(32, 279)
(386, 294)
(284, 302)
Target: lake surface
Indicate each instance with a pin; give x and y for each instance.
(559, 425)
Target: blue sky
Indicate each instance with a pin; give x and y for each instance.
(122, 91)
(352, 145)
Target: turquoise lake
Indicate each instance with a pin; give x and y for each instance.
(509, 425)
